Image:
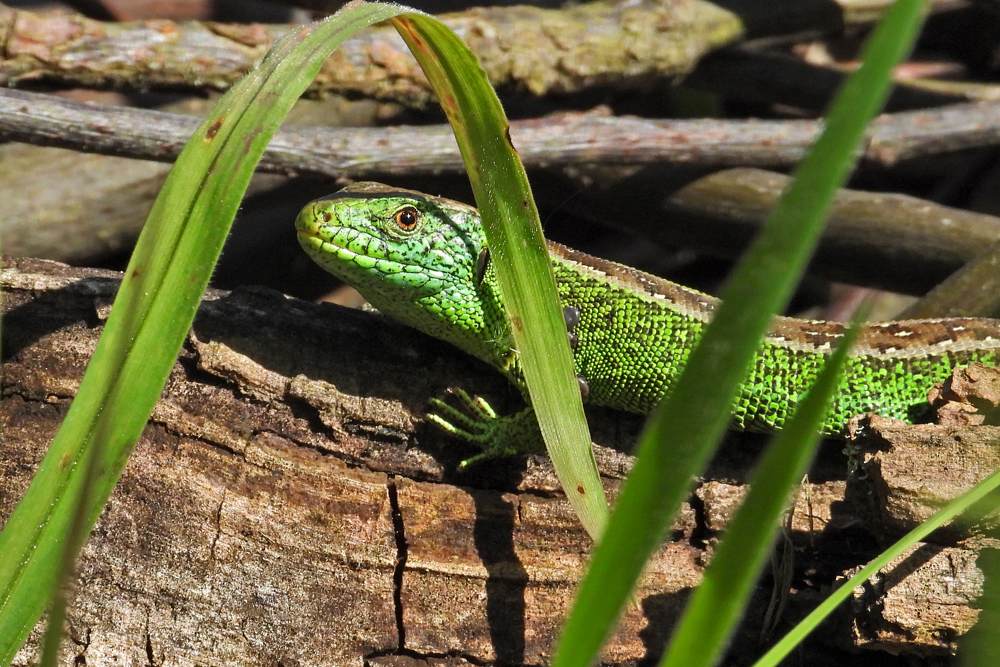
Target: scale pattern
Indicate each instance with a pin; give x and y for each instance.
(635, 331)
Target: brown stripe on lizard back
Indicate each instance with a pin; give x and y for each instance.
(904, 338)
(687, 300)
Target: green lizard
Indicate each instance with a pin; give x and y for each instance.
(422, 260)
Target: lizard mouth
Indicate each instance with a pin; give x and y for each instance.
(320, 239)
(316, 245)
(322, 245)
(335, 254)
(355, 255)
(334, 244)
(311, 237)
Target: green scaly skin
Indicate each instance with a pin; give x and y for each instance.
(420, 260)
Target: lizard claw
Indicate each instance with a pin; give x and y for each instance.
(477, 423)
(471, 425)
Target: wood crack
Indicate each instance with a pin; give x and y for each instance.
(399, 533)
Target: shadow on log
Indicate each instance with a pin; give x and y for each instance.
(286, 505)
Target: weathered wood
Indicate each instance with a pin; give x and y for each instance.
(286, 504)
(556, 51)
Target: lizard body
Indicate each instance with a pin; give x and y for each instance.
(423, 260)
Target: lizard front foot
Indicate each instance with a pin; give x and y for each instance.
(478, 424)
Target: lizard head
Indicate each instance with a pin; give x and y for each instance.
(416, 258)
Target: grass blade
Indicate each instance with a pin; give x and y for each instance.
(971, 499)
(524, 270)
(683, 433)
(981, 646)
(718, 603)
(166, 277)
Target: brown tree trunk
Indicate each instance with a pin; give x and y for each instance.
(287, 506)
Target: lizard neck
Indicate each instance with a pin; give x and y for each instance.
(478, 325)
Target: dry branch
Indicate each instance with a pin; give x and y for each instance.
(889, 241)
(776, 78)
(543, 51)
(554, 51)
(875, 239)
(565, 138)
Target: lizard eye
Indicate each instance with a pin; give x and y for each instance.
(406, 218)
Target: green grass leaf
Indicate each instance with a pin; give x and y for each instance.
(981, 646)
(976, 498)
(718, 602)
(684, 432)
(524, 270)
(161, 290)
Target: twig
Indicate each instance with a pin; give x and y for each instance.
(565, 138)
(552, 51)
(876, 239)
(542, 51)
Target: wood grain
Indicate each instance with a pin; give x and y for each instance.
(286, 505)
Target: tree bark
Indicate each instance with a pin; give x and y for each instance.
(286, 505)
(568, 138)
(555, 51)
